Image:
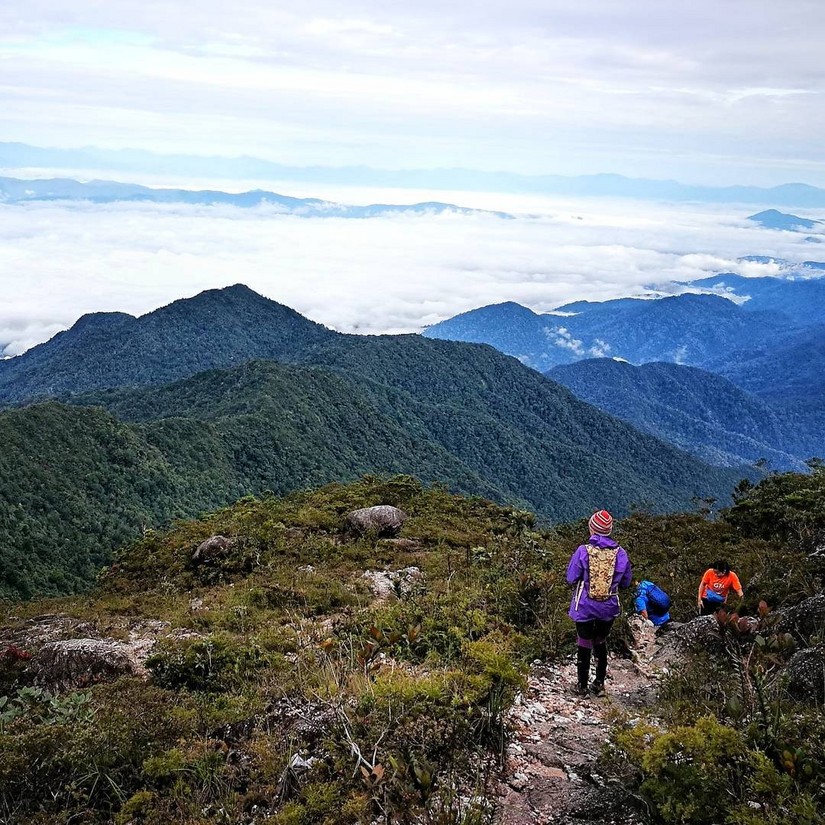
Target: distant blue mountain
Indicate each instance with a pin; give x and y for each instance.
(803, 301)
(695, 410)
(773, 219)
(789, 371)
(16, 190)
(790, 269)
(20, 155)
(687, 329)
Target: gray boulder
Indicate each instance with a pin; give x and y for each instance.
(805, 674)
(386, 583)
(701, 633)
(213, 548)
(803, 619)
(382, 521)
(78, 663)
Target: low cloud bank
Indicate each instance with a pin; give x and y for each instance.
(382, 275)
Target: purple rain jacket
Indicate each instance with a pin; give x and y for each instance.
(582, 607)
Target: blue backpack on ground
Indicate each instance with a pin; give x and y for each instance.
(658, 600)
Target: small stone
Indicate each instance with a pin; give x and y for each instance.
(546, 772)
(519, 781)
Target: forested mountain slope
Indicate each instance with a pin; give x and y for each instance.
(217, 328)
(463, 415)
(696, 410)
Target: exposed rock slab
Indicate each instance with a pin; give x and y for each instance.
(387, 583)
(78, 663)
(550, 774)
(381, 521)
(804, 674)
(804, 619)
(701, 633)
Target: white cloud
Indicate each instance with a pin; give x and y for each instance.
(562, 337)
(600, 349)
(390, 274)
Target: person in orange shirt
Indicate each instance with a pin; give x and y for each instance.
(717, 582)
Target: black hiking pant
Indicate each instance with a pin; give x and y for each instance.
(592, 641)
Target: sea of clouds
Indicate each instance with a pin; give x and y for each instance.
(382, 275)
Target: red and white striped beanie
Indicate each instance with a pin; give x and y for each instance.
(601, 523)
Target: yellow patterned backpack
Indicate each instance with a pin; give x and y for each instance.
(602, 562)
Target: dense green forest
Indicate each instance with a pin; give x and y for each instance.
(217, 328)
(698, 411)
(275, 675)
(77, 481)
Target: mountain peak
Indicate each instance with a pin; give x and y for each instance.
(217, 328)
(100, 321)
(774, 219)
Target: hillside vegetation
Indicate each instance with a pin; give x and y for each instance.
(698, 411)
(280, 690)
(76, 481)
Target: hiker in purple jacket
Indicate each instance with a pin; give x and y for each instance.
(595, 604)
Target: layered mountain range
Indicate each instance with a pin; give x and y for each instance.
(19, 190)
(120, 424)
(742, 372)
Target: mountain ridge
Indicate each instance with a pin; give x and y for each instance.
(20, 155)
(698, 411)
(19, 190)
(337, 407)
(690, 328)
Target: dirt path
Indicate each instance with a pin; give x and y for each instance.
(550, 774)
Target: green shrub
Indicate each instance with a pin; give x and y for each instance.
(211, 664)
(692, 773)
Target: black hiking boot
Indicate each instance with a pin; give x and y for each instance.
(580, 690)
(597, 687)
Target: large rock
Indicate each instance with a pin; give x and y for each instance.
(803, 619)
(215, 547)
(382, 521)
(78, 663)
(701, 633)
(805, 674)
(386, 583)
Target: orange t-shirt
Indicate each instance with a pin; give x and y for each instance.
(719, 584)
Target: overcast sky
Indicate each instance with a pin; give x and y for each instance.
(706, 91)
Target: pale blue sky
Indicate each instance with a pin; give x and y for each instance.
(707, 92)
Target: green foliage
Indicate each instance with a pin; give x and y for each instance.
(276, 651)
(76, 482)
(691, 773)
(42, 707)
(786, 506)
(213, 664)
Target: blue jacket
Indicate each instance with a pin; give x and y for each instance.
(645, 602)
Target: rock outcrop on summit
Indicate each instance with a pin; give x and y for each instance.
(381, 521)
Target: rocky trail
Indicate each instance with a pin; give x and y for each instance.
(551, 773)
